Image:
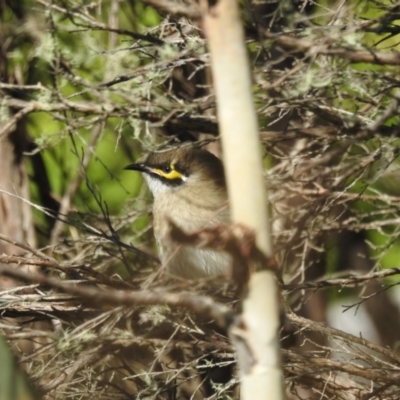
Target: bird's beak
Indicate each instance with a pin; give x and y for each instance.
(137, 167)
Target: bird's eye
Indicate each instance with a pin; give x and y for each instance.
(167, 169)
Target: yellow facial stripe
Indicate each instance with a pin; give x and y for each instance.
(173, 174)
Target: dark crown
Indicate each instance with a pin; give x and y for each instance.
(185, 161)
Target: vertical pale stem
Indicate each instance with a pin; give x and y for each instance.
(244, 173)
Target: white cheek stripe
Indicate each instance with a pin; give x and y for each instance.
(155, 185)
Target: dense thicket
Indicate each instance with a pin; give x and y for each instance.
(87, 87)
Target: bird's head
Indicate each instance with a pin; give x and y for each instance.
(181, 167)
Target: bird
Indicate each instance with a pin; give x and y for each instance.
(188, 187)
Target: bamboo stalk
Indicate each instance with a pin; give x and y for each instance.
(261, 374)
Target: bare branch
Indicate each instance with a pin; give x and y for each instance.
(198, 304)
(311, 49)
(346, 281)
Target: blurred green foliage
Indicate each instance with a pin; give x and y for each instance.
(14, 384)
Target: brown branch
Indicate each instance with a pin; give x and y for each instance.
(6, 259)
(180, 123)
(67, 268)
(28, 248)
(346, 281)
(349, 338)
(320, 364)
(186, 122)
(201, 305)
(332, 133)
(310, 47)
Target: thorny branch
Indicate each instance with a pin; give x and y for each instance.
(312, 49)
(345, 281)
(198, 304)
